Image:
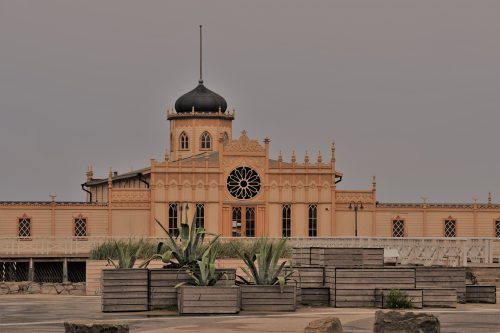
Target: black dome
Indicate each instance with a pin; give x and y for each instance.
(202, 99)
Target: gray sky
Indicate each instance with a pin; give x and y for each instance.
(408, 90)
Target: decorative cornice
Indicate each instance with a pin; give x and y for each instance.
(50, 203)
(436, 205)
(244, 144)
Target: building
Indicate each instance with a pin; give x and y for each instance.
(231, 186)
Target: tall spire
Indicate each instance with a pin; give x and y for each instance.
(201, 56)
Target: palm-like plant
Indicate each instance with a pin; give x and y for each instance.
(262, 263)
(127, 254)
(204, 272)
(184, 249)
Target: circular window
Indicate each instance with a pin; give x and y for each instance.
(243, 183)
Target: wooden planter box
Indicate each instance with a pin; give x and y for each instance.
(481, 294)
(268, 298)
(442, 277)
(162, 291)
(315, 296)
(415, 295)
(208, 300)
(440, 297)
(124, 290)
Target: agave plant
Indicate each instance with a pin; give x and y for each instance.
(262, 263)
(185, 248)
(127, 254)
(204, 272)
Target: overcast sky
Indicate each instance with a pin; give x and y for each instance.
(408, 90)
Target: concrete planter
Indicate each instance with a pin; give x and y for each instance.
(208, 300)
(268, 298)
(124, 289)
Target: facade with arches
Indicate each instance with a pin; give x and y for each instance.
(230, 185)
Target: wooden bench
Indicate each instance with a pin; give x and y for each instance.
(415, 296)
(481, 294)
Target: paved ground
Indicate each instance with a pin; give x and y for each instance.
(43, 313)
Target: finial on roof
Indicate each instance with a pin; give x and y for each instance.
(306, 157)
(294, 158)
(489, 198)
(320, 158)
(333, 152)
(166, 154)
(89, 173)
(374, 182)
(201, 54)
(280, 157)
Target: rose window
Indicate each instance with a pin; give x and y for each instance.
(243, 183)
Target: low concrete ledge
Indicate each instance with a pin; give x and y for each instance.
(97, 326)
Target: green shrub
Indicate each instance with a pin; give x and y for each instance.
(229, 248)
(109, 249)
(397, 299)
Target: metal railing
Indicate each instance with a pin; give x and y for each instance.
(426, 251)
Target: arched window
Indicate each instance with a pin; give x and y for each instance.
(206, 141)
(200, 215)
(286, 220)
(313, 220)
(183, 141)
(398, 227)
(172, 219)
(450, 227)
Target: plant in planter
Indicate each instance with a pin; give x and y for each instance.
(265, 286)
(180, 254)
(125, 288)
(203, 295)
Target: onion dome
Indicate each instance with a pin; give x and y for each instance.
(201, 99)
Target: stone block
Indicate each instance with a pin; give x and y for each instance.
(77, 292)
(95, 327)
(4, 289)
(48, 288)
(405, 322)
(34, 288)
(13, 288)
(59, 288)
(325, 325)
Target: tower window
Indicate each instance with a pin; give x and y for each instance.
(183, 141)
(497, 228)
(450, 228)
(398, 228)
(225, 139)
(286, 221)
(24, 228)
(173, 228)
(313, 220)
(206, 141)
(80, 227)
(199, 217)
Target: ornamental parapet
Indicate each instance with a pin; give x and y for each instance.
(229, 115)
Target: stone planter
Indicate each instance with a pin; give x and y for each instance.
(124, 290)
(268, 298)
(208, 300)
(162, 282)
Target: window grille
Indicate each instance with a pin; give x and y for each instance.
(80, 227)
(398, 228)
(24, 228)
(497, 228)
(172, 219)
(206, 141)
(184, 141)
(313, 220)
(243, 183)
(250, 222)
(48, 272)
(450, 228)
(286, 221)
(14, 271)
(236, 222)
(76, 271)
(200, 215)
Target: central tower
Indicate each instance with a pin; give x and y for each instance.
(199, 123)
